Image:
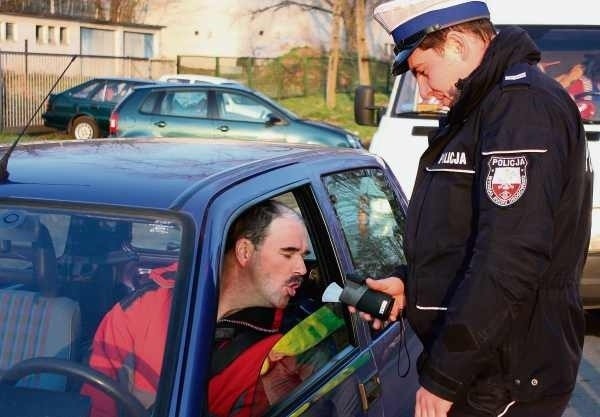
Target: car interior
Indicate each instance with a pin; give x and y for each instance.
(60, 273)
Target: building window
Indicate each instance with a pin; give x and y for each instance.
(64, 35)
(10, 32)
(51, 34)
(138, 45)
(97, 42)
(39, 33)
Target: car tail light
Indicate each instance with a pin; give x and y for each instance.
(113, 123)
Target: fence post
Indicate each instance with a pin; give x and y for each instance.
(217, 67)
(280, 73)
(305, 75)
(2, 100)
(178, 65)
(249, 66)
(26, 57)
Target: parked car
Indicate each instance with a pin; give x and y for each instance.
(83, 111)
(83, 222)
(567, 42)
(195, 79)
(213, 111)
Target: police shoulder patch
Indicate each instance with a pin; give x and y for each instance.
(517, 75)
(506, 180)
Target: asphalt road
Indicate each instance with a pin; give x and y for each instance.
(586, 397)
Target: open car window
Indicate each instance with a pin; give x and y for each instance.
(312, 338)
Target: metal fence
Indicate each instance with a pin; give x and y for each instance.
(26, 78)
(287, 76)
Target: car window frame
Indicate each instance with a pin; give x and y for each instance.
(309, 204)
(252, 96)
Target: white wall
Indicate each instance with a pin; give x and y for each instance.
(226, 28)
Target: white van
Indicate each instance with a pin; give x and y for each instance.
(568, 33)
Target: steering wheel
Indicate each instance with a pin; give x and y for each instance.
(109, 386)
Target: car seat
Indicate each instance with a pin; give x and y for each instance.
(35, 322)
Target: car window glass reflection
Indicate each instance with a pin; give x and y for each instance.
(239, 107)
(371, 219)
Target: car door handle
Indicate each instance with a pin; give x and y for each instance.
(223, 128)
(160, 124)
(369, 391)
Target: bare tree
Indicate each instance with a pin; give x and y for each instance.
(334, 54)
(352, 21)
(115, 11)
(362, 53)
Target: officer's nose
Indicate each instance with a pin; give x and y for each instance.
(424, 89)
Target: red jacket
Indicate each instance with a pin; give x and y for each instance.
(130, 342)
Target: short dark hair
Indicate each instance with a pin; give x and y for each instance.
(482, 28)
(253, 223)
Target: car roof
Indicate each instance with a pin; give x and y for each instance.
(139, 80)
(152, 173)
(196, 77)
(170, 85)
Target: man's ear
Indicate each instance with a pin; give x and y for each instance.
(243, 250)
(456, 45)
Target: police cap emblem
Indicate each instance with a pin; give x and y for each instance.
(506, 180)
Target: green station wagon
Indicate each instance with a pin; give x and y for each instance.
(83, 111)
(217, 111)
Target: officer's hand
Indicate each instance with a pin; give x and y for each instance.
(430, 405)
(392, 286)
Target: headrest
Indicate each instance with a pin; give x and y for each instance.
(19, 226)
(409, 21)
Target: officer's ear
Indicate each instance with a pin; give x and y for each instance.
(456, 46)
(244, 249)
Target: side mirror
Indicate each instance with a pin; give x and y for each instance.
(273, 120)
(365, 111)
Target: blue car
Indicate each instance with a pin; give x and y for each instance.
(83, 225)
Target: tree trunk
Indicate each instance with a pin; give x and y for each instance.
(364, 77)
(349, 17)
(334, 54)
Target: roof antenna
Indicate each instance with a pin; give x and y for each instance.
(4, 161)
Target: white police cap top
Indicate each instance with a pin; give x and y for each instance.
(408, 21)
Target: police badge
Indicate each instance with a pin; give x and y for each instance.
(506, 180)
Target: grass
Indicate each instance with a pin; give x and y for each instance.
(309, 107)
(314, 107)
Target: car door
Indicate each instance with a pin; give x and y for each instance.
(243, 116)
(346, 381)
(75, 101)
(180, 112)
(370, 213)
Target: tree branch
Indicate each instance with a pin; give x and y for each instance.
(288, 3)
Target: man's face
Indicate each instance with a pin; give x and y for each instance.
(277, 264)
(437, 73)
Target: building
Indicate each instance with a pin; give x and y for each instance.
(65, 35)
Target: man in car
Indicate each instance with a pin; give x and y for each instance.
(262, 269)
(499, 220)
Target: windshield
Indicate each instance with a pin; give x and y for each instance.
(570, 55)
(61, 272)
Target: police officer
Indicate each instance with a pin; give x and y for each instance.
(499, 219)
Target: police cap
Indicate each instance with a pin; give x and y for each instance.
(409, 21)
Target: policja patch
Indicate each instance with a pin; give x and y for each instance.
(506, 180)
